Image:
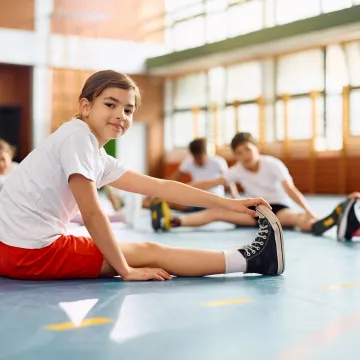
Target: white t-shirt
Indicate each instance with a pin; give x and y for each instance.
(212, 169)
(3, 177)
(265, 183)
(37, 204)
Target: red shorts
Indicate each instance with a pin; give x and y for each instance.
(68, 257)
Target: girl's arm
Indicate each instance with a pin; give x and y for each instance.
(182, 194)
(297, 196)
(98, 225)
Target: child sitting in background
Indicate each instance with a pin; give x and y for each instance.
(7, 166)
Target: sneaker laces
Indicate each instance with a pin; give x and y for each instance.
(259, 240)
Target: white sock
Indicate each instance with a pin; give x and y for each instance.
(234, 261)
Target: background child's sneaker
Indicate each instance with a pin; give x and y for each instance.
(160, 215)
(348, 222)
(325, 224)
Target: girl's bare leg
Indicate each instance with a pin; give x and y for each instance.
(176, 261)
(264, 255)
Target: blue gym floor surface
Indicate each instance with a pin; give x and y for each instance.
(312, 311)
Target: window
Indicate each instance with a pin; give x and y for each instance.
(337, 75)
(333, 5)
(243, 82)
(270, 13)
(189, 33)
(288, 11)
(216, 78)
(245, 18)
(190, 91)
(299, 112)
(334, 134)
(249, 119)
(352, 51)
(184, 8)
(226, 125)
(269, 123)
(183, 128)
(301, 72)
(216, 25)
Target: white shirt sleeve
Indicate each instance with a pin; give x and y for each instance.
(185, 166)
(78, 155)
(279, 170)
(114, 169)
(232, 175)
(223, 165)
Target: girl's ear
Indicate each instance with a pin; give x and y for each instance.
(84, 107)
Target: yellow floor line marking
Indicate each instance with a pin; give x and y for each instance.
(340, 286)
(226, 302)
(85, 323)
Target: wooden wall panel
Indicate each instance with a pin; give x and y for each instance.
(16, 90)
(67, 85)
(353, 171)
(300, 171)
(130, 20)
(17, 14)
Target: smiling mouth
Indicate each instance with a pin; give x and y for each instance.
(118, 127)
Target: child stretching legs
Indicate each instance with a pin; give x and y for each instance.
(259, 175)
(62, 175)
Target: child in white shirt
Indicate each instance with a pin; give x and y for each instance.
(7, 165)
(259, 175)
(199, 166)
(61, 176)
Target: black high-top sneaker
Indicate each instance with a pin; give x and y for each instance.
(348, 222)
(160, 215)
(325, 224)
(265, 255)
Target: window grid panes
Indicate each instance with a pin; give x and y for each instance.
(246, 82)
(221, 19)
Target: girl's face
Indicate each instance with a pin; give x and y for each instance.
(110, 115)
(5, 161)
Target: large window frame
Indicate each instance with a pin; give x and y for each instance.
(235, 17)
(218, 119)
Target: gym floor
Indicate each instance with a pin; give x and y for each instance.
(312, 311)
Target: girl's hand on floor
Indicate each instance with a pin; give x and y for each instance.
(241, 206)
(143, 274)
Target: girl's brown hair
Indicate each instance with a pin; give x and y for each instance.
(102, 80)
(5, 146)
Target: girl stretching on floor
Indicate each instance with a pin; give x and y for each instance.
(62, 175)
